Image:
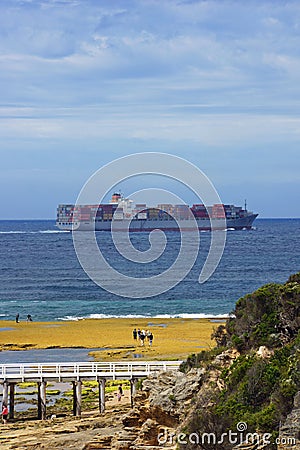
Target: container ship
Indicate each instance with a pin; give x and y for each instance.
(138, 217)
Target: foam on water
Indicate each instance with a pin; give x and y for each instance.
(140, 316)
(34, 232)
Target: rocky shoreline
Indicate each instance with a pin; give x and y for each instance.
(164, 406)
(243, 394)
(159, 408)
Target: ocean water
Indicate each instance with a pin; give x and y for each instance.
(40, 274)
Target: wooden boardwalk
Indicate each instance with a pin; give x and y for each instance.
(75, 373)
(82, 370)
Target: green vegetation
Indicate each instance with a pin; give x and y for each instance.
(202, 359)
(269, 316)
(26, 385)
(257, 389)
(139, 383)
(260, 391)
(92, 384)
(112, 385)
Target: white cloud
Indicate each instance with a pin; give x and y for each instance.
(88, 124)
(221, 76)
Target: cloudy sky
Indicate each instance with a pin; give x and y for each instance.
(85, 81)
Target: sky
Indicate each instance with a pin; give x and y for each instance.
(83, 82)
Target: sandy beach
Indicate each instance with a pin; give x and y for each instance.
(174, 338)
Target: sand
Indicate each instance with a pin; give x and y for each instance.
(173, 338)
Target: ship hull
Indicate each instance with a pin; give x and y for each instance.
(138, 225)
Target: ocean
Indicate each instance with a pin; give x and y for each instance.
(40, 274)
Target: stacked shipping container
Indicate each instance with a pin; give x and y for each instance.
(121, 208)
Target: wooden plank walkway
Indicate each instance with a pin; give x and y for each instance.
(83, 370)
(75, 373)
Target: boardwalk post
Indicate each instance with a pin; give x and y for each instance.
(77, 406)
(39, 405)
(42, 400)
(74, 398)
(11, 400)
(133, 384)
(78, 398)
(101, 384)
(5, 393)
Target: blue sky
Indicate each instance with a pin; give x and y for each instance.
(83, 82)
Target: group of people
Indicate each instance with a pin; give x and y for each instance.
(29, 318)
(142, 335)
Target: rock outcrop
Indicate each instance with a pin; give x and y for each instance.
(161, 405)
(170, 394)
(289, 432)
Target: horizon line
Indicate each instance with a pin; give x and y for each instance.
(54, 220)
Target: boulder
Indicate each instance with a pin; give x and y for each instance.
(289, 432)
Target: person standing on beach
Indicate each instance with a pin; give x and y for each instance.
(17, 318)
(120, 392)
(150, 339)
(29, 318)
(139, 335)
(4, 412)
(134, 333)
(142, 337)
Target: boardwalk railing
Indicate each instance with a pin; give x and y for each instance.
(83, 370)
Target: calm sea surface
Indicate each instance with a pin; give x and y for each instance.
(40, 274)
